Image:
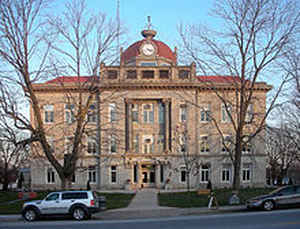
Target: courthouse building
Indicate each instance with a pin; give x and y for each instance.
(146, 102)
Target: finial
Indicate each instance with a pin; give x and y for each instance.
(149, 33)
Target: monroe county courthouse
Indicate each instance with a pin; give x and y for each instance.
(153, 113)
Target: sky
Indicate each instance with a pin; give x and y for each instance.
(166, 15)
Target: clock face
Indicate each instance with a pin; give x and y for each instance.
(148, 49)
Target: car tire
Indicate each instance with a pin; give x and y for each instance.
(268, 205)
(79, 213)
(30, 214)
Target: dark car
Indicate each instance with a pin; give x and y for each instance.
(281, 197)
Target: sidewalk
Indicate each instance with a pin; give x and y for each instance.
(145, 205)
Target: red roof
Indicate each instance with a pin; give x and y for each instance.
(69, 79)
(218, 79)
(163, 50)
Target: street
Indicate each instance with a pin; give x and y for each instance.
(279, 219)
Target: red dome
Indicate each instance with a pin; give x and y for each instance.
(163, 50)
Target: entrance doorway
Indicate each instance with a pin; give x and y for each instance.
(148, 176)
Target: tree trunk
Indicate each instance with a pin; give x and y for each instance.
(66, 183)
(237, 165)
(6, 178)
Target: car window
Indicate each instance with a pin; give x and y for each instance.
(298, 189)
(287, 191)
(54, 196)
(74, 195)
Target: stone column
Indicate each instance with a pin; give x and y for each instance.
(167, 145)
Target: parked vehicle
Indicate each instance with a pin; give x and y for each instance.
(281, 197)
(79, 204)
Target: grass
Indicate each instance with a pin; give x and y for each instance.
(192, 199)
(113, 200)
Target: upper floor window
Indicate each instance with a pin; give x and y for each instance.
(49, 113)
(131, 74)
(91, 145)
(113, 144)
(226, 112)
(164, 74)
(204, 144)
(92, 115)
(183, 113)
(69, 113)
(135, 112)
(112, 112)
(148, 113)
(249, 114)
(112, 74)
(136, 143)
(226, 143)
(184, 74)
(148, 144)
(183, 143)
(68, 145)
(246, 145)
(205, 113)
(148, 74)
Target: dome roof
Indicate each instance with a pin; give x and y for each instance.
(133, 50)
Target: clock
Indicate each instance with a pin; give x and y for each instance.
(148, 49)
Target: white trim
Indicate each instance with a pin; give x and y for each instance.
(49, 109)
(229, 169)
(206, 109)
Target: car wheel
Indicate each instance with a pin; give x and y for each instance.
(30, 215)
(268, 205)
(78, 213)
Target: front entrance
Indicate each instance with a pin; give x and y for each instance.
(147, 176)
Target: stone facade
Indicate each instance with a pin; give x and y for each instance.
(146, 103)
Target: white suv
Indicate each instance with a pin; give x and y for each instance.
(79, 204)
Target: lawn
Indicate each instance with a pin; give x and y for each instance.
(192, 199)
(113, 200)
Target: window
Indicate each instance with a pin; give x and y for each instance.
(135, 112)
(91, 145)
(160, 143)
(68, 144)
(113, 144)
(112, 112)
(74, 195)
(112, 74)
(136, 143)
(184, 74)
(246, 145)
(226, 113)
(148, 64)
(204, 173)
(205, 113)
(226, 143)
(50, 176)
(92, 115)
(183, 113)
(246, 173)
(148, 113)
(69, 113)
(131, 74)
(183, 174)
(226, 173)
(148, 74)
(164, 74)
(52, 197)
(92, 175)
(182, 143)
(204, 144)
(113, 174)
(148, 144)
(249, 114)
(49, 113)
(161, 113)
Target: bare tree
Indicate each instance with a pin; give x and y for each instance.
(72, 44)
(255, 36)
(13, 154)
